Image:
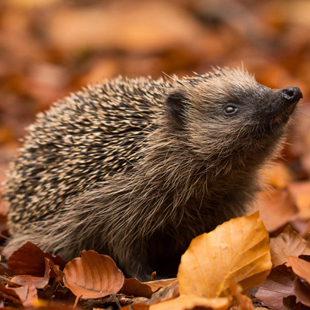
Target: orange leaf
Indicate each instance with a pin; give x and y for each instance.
(93, 275)
(29, 259)
(287, 243)
(9, 293)
(243, 301)
(236, 251)
(193, 302)
(276, 207)
(156, 285)
(134, 287)
(300, 267)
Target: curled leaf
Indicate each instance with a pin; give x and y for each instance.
(93, 276)
(38, 282)
(300, 267)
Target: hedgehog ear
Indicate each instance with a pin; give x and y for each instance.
(176, 103)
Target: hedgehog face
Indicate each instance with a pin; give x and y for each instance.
(228, 112)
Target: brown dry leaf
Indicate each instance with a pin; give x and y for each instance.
(38, 282)
(26, 295)
(165, 293)
(29, 260)
(31, 296)
(193, 302)
(93, 275)
(56, 272)
(276, 207)
(244, 302)
(236, 251)
(9, 293)
(279, 284)
(300, 267)
(156, 285)
(134, 287)
(300, 191)
(287, 243)
(302, 291)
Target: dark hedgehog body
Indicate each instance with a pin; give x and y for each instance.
(137, 168)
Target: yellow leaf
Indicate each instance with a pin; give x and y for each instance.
(235, 252)
(193, 302)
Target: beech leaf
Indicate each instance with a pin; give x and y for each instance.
(300, 267)
(287, 243)
(29, 259)
(134, 287)
(193, 302)
(279, 285)
(38, 282)
(302, 291)
(93, 275)
(235, 252)
(156, 285)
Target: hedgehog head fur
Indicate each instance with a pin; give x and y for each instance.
(131, 168)
(228, 117)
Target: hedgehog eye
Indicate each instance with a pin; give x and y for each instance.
(230, 109)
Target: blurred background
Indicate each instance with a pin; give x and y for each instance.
(49, 48)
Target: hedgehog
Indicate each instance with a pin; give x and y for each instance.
(136, 168)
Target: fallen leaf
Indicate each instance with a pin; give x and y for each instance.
(134, 287)
(10, 293)
(193, 302)
(31, 296)
(300, 267)
(302, 291)
(29, 260)
(56, 272)
(165, 293)
(276, 207)
(156, 285)
(93, 275)
(279, 284)
(236, 251)
(287, 243)
(38, 282)
(244, 302)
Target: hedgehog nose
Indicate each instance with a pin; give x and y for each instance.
(291, 94)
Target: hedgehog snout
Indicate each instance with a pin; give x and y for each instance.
(291, 94)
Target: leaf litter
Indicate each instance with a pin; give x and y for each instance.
(40, 64)
(216, 272)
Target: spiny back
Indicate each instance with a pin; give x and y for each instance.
(79, 142)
